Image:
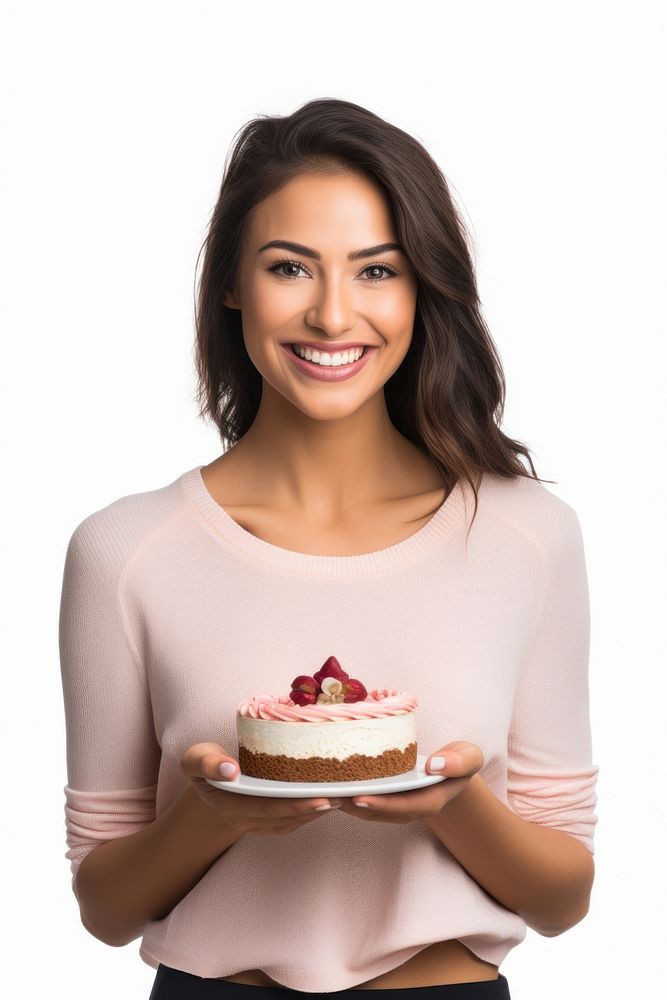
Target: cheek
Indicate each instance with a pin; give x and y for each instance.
(393, 316)
(267, 314)
(267, 305)
(271, 309)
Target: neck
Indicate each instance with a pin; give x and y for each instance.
(330, 466)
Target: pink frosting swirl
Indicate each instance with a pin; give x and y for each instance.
(378, 703)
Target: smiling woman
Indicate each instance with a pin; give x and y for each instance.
(333, 227)
(342, 356)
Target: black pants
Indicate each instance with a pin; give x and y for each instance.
(172, 984)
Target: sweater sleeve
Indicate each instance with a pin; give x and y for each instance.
(112, 752)
(551, 777)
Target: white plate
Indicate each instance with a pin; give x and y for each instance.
(416, 778)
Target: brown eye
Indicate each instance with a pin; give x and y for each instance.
(275, 268)
(380, 267)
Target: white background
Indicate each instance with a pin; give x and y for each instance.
(546, 119)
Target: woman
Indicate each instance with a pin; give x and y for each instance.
(367, 505)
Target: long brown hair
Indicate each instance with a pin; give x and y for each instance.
(448, 395)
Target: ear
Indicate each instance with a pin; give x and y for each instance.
(230, 300)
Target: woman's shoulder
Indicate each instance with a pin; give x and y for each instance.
(110, 534)
(529, 506)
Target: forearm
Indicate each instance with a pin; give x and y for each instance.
(542, 874)
(125, 883)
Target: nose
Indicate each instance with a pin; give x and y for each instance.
(333, 311)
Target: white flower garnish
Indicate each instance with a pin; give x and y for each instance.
(332, 692)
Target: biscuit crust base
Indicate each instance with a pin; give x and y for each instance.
(356, 767)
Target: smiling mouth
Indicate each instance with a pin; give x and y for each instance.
(330, 358)
(325, 367)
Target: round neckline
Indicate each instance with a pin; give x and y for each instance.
(416, 546)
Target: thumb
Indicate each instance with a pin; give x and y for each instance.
(457, 759)
(209, 760)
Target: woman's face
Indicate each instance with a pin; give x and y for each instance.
(315, 295)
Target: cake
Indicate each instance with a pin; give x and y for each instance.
(329, 728)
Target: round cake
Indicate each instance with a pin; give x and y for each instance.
(329, 728)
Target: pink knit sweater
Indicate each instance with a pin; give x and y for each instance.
(172, 613)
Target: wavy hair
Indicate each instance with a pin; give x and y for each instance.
(448, 394)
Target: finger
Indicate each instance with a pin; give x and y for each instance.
(456, 759)
(419, 801)
(398, 802)
(373, 815)
(210, 760)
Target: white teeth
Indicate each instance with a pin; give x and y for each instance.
(324, 358)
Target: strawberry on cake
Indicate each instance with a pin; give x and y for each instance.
(329, 728)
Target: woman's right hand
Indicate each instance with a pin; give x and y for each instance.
(256, 814)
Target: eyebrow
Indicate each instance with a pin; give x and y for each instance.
(309, 252)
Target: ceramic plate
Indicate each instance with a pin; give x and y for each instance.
(244, 785)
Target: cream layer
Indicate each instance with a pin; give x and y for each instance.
(369, 737)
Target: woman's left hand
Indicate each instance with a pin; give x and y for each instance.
(462, 761)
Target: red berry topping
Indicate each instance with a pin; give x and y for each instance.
(303, 697)
(305, 683)
(354, 690)
(331, 668)
(305, 689)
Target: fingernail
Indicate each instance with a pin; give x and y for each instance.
(325, 806)
(363, 805)
(227, 769)
(436, 764)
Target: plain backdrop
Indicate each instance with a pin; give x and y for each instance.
(548, 122)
